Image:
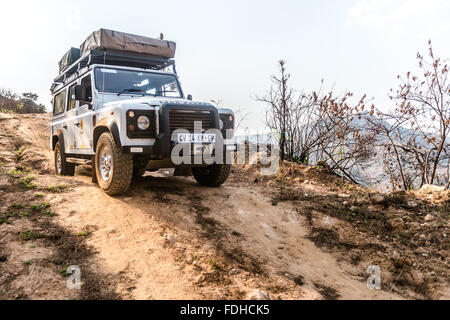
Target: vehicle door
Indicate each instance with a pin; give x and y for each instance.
(71, 115)
(60, 119)
(83, 120)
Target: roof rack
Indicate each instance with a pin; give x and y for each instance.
(116, 59)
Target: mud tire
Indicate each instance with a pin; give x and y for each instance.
(64, 168)
(212, 175)
(116, 177)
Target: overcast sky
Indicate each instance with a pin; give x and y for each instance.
(227, 50)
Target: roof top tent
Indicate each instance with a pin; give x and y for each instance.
(121, 49)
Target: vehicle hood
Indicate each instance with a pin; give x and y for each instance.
(157, 101)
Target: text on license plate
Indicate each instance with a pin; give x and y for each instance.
(196, 137)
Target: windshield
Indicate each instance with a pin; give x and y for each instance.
(136, 83)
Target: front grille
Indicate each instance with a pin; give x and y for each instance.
(184, 119)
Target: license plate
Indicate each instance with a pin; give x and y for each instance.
(196, 137)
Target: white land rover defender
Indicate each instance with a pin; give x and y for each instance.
(118, 106)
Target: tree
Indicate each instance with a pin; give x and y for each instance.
(30, 95)
(342, 141)
(315, 127)
(280, 99)
(7, 94)
(417, 130)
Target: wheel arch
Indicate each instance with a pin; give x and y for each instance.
(106, 125)
(58, 136)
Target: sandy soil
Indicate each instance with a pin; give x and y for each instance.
(166, 238)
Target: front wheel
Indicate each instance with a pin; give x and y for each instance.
(213, 175)
(114, 169)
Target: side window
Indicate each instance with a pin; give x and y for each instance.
(59, 102)
(86, 89)
(72, 102)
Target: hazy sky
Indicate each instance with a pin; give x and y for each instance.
(228, 49)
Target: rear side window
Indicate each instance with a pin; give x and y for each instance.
(72, 102)
(59, 102)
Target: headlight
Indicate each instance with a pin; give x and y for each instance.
(220, 124)
(143, 122)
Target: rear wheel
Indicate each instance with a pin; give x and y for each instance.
(62, 167)
(213, 175)
(114, 169)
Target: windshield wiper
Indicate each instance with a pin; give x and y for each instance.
(131, 90)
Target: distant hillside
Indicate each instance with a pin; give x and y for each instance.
(11, 102)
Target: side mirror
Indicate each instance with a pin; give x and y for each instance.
(189, 97)
(78, 93)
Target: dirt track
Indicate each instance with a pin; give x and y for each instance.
(167, 238)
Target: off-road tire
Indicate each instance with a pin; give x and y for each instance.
(121, 164)
(65, 168)
(213, 175)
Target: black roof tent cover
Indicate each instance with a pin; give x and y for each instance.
(69, 58)
(117, 48)
(110, 40)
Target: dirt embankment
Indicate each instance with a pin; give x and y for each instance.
(304, 234)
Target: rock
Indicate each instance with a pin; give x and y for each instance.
(170, 238)
(431, 188)
(345, 203)
(258, 295)
(361, 200)
(395, 255)
(396, 223)
(412, 204)
(200, 278)
(428, 217)
(110, 230)
(354, 209)
(377, 199)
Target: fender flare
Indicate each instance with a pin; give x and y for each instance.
(58, 136)
(106, 124)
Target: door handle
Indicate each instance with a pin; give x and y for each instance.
(77, 124)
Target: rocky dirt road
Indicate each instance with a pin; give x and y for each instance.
(166, 238)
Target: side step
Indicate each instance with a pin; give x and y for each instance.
(79, 161)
